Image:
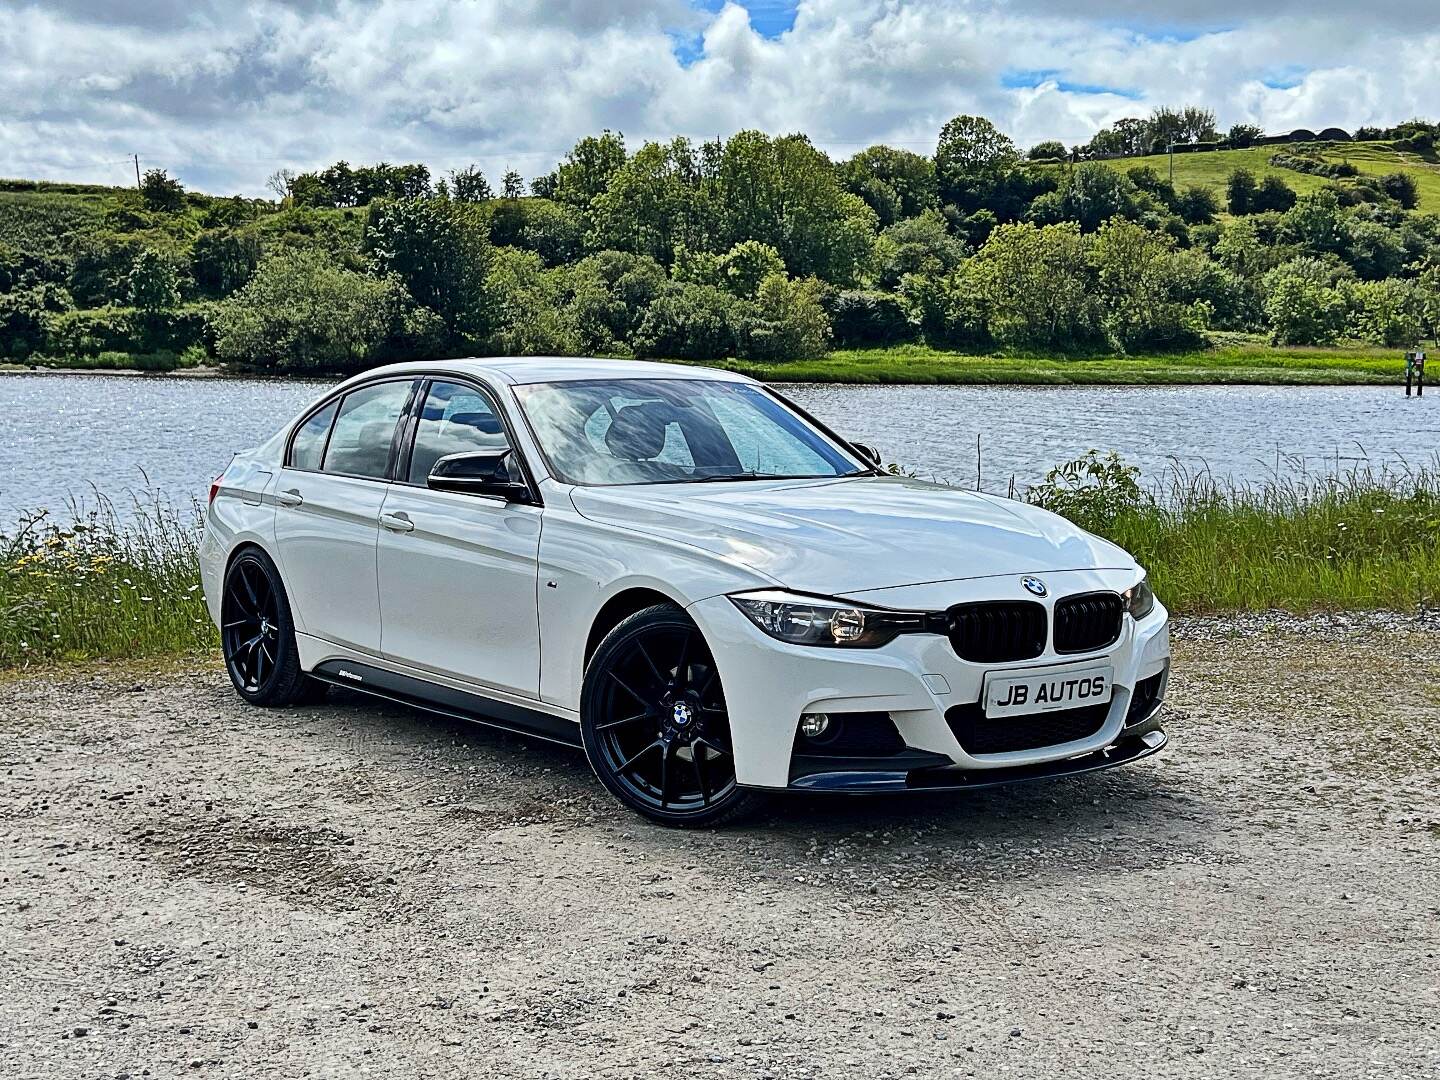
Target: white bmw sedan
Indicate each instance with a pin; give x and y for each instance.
(685, 574)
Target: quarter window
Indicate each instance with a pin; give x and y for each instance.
(308, 446)
(364, 430)
(456, 419)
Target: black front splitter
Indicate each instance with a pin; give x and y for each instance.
(954, 778)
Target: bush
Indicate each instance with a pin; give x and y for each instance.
(1197, 205)
(1384, 312)
(1314, 166)
(1036, 287)
(786, 322)
(440, 251)
(531, 319)
(687, 321)
(862, 318)
(1092, 491)
(300, 312)
(1273, 194)
(1240, 191)
(160, 193)
(1402, 187)
(1302, 304)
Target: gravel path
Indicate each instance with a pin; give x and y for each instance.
(192, 888)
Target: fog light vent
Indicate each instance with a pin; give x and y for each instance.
(814, 724)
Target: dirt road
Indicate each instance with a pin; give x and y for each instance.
(194, 888)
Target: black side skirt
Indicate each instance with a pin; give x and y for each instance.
(446, 701)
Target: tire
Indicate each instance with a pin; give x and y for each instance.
(654, 724)
(257, 635)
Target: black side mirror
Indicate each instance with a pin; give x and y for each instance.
(481, 472)
(869, 453)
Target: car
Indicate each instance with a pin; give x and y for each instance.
(685, 574)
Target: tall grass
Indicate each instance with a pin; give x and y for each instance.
(101, 584)
(97, 583)
(1365, 538)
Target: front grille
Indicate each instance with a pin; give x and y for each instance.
(1087, 622)
(978, 734)
(997, 632)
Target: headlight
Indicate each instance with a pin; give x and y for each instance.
(1139, 599)
(809, 620)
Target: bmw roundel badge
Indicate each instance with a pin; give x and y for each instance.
(1034, 585)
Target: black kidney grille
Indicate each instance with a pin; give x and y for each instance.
(1087, 622)
(978, 734)
(996, 632)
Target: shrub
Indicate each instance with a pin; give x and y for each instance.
(1273, 194)
(440, 251)
(1093, 491)
(152, 284)
(786, 322)
(864, 318)
(1036, 287)
(1197, 205)
(687, 321)
(918, 245)
(1241, 136)
(1384, 312)
(1051, 149)
(1302, 304)
(530, 317)
(300, 311)
(160, 193)
(1402, 187)
(1240, 191)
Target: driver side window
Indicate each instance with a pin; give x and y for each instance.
(456, 419)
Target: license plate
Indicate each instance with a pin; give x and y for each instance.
(1016, 695)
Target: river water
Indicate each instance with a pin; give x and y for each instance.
(68, 436)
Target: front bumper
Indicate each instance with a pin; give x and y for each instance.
(916, 680)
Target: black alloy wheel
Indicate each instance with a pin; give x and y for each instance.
(257, 635)
(654, 722)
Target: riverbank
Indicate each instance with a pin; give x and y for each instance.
(1234, 361)
(104, 586)
(200, 887)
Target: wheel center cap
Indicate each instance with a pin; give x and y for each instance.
(681, 714)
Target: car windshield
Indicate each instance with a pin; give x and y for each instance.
(673, 431)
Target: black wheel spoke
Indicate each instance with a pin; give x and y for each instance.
(608, 724)
(641, 698)
(625, 765)
(665, 758)
(660, 679)
(695, 760)
(682, 662)
(249, 620)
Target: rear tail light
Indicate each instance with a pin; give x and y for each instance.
(214, 489)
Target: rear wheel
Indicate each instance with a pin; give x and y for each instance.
(257, 635)
(654, 722)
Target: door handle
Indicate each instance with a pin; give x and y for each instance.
(289, 497)
(397, 522)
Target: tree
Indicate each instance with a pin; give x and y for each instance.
(152, 284)
(1197, 205)
(746, 265)
(1385, 312)
(1136, 289)
(688, 322)
(280, 182)
(1051, 148)
(440, 250)
(1403, 188)
(894, 183)
(161, 193)
(786, 322)
(1302, 304)
(300, 311)
(1316, 224)
(531, 317)
(1273, 194)
(1036, 287)
(1241, 136)
(512, 186)
(972, 158)
(1240, 192)
(652, 204)
(469, 185)
(585, 173)
(918, 245)
(222, 260)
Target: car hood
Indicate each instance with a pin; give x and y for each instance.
(856, 534)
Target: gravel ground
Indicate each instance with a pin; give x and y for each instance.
(193, 888)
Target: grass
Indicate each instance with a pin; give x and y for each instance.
(1213, 168)
(1238, 359)
(103, 586)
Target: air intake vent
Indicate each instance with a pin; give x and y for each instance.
(980, 735)
(997, 632)
(1087, 622)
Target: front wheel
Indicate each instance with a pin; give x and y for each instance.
(654, 723)
(257, 635)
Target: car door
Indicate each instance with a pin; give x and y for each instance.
(457, 572)
(328, 502)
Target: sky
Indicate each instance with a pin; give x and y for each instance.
(221, 93)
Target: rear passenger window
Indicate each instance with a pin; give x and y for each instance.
(457, 419)
(364, 429)
(309, 442)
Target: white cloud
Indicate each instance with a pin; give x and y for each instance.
(222, 93)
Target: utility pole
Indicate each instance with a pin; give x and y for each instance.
(137, 171)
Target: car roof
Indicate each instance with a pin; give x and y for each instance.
(531, 369)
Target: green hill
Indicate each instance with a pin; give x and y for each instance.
(1213, 168)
